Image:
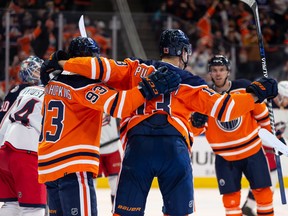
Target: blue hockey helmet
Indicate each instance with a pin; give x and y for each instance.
(219, 60)
(30, 70)
(83, 46)
(173, 42)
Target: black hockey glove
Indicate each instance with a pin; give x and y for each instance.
(159, 82)
(51, 68)
(198, 120)
(263, 88)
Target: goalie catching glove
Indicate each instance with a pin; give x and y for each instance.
(51, 66)
(263, 88)
(159, 82)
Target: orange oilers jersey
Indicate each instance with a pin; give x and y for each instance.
(192, 95)
(238, 139)
(73, 110)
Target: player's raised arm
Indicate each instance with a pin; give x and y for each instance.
(229, 106)
(121, 103)
(97, 68)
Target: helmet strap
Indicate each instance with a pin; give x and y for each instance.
(185, 63)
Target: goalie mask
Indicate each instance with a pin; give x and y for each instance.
(83, 46)
(30, 70)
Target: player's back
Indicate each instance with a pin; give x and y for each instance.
(70, 139)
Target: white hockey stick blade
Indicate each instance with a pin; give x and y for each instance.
(81, 26)
(249, 2)
(271, 140)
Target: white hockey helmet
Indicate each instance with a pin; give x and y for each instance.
(283, 88)
(30, 70)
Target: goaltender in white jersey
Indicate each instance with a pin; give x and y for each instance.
(19, 138)
(23, 124)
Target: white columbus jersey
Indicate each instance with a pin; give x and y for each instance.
(22, 125)
(109, 141)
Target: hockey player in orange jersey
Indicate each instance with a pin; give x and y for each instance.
(237, 146)
(157, 135)
(70, 139)
(281, 101)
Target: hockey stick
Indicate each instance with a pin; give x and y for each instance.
(81, 26)
(272, 141)
(253, 5)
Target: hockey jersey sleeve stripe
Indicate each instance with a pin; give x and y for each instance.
(264, 113)
(121, 105)
(263, 119)
(229, 110)
(101, 68)
(76, 162)
(223, 107)
(263, 124)
(214, 108)
(108, 70)
(108, 101)
(114, 105)
(77, 154)
(93, 69)
(123, 126)
(70, 148)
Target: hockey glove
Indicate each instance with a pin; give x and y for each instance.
(263, 88)
(198, 120)
(50, 68)
(159, 82)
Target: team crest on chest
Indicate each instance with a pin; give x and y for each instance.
(229, 126)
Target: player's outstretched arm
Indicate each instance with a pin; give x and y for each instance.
(120, 104)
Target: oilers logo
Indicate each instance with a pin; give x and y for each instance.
(229, 126)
